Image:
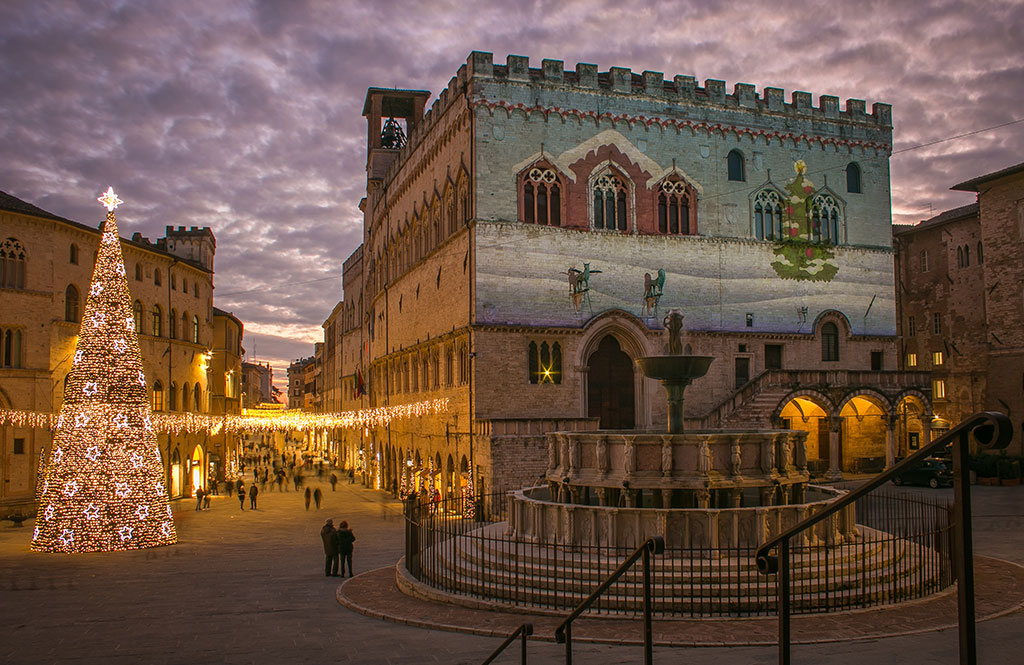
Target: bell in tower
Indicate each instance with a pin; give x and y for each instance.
(392, 136)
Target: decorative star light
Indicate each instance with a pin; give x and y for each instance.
(78, 357)
(125, 532)
(160, 490)
(148, 422)
(46, 486)
(96, 289)
(92, 511)
(129, 323)
(168, 511)
(166, 528)
(49, 513)
(137, 460)
(120, 345)
(93, 453)
(81, 420)
(142, 379)
(142, 512)
(110, 200)
(66, 538)
(60, 421)
(121, 421)
(97, 319)
(71, 487)
(119, 269)
(121, 489)
(35, 534)
(90, 388)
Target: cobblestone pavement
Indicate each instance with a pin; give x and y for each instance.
(247, 587)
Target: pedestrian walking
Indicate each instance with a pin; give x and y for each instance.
(351, 476)
(280, 481)
(330, 538)
(309, 495)
(345, 540)
(334, 481)
(253, 493)
(241, 495)
(318, 496)
(206, 500)
(199, 498)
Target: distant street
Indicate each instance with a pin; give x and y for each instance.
(248, 587)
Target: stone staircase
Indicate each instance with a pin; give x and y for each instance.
(484, 564)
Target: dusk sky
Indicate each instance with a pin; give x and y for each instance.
(245, 116)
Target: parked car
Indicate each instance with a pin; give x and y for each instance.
(931, 471)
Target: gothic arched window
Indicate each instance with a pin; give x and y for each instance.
(768, 215)
(674, 210)
(157, 316)
(12, 264)
(72, 311)
(737, 167)
(824, 217)
(196, 398)
(830, 342)
(610, 202)
(542, 197)
(184, 397)
(158, 396)
(137, 314)
(73, 254)
(172, 397)
(10, 348)
(853, 178)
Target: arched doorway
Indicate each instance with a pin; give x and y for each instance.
(196, 468)
(175, 474)
(610, 386)
(804, 413)
(864, 435)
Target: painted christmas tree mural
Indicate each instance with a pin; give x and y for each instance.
(798, 255)
(103, 486)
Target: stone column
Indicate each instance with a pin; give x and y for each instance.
(704, 498)
(602, 496)
(767, 496)
(666, 498)
(834, 470)
(890, 441)
(736, 497)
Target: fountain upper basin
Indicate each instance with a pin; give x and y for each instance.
(674, 368)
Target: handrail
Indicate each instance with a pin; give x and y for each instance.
(991, 430)
(653, 545)
(522, 632)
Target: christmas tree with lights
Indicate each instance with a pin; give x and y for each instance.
(103, 486)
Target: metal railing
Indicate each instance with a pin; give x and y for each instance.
(990, 430)
(521, 632)
(654, 545)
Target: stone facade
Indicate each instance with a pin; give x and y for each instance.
(171, 283)
(513, 243)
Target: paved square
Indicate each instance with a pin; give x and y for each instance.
(248, 587)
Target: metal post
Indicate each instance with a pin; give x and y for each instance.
(784, 637)
(568, 644)
(523, 635)
(963, 544)
(648, 640)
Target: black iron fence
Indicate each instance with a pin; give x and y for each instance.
(898, 549)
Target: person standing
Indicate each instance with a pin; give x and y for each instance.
(253, 493)
(199, 499)
(345, 540)
(241, 495)
(334, 481)
(309, 495)
(330, 538)
(318, 496)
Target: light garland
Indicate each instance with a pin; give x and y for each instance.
(251, 421)
(102, 488)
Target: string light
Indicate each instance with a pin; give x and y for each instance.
(95, 494)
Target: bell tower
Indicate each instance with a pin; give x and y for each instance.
(383, 109)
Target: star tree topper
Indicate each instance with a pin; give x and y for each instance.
(110, 200)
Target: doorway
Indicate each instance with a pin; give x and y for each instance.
(610, 389)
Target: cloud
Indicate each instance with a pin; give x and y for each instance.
(246, 116)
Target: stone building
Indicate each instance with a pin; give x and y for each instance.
(526, 235)
(257, 382)
(46, 263)
(959, 279)
(300, 389)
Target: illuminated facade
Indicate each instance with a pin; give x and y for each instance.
(50, 260)
(526, 235)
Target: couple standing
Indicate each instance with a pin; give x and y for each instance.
(337, 544)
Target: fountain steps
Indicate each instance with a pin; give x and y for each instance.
(884, 573)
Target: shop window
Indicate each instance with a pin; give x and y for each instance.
(12, 264)
(11, 342)
(542, 197)
(911, 360)
(853, 178)
(610, 192)
(72, 309)
(938, 389)
(158, 396)
(73, 254)
(937, 358)
(768, 215)
(737, 167)
(157, 316)
(830, 342)
(545, 363)
(824, 214)
(674, 210)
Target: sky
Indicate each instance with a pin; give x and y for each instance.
(245, 116)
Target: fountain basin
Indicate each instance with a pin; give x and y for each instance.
(674, 369)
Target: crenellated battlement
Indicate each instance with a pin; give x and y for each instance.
(623, 80)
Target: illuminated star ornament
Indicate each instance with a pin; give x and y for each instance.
(105, 462)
